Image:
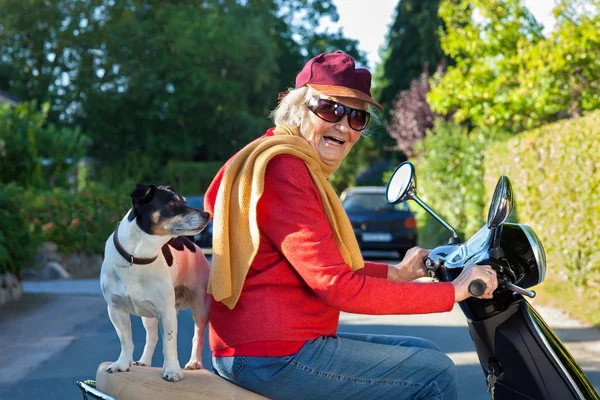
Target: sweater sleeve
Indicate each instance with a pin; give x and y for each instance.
(290, 215)
(374, 269)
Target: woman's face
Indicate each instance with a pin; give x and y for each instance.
(332, 140)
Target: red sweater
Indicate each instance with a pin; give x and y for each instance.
(298, 282)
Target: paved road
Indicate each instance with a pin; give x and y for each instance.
(48, 341)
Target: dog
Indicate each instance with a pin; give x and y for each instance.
(151, 269)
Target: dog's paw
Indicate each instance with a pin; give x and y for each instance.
(194, 365)
(139, 363)
(172, 374)
(118, 366)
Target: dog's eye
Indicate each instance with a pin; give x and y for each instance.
(173, 202)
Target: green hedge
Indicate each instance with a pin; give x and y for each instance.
(449, 167)
(17, 245)
(189, 178)
(555, 174)
(76, 222)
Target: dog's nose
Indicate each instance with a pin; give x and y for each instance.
(205, 214)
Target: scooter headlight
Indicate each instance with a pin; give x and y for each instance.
(525, 254)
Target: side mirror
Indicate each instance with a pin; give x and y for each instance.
(403, 186)
(502, 203)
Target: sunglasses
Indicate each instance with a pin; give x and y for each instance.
(330, 111)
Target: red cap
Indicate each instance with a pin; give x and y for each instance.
(335, 74)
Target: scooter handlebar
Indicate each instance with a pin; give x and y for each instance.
(477, 287)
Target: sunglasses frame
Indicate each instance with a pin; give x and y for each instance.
(313, 105)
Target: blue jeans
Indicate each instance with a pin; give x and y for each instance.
(348, 366)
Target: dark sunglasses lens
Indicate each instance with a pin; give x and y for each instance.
(359, 119)
(329, 111)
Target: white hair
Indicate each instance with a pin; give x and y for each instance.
(292, 110)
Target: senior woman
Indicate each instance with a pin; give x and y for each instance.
(286, 261)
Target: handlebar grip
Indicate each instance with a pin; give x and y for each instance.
(477, 287)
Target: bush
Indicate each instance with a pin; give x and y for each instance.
(76, 222)
(555, 174)
(17, 245)
(190, 177)
(34, 153)
(449, 166)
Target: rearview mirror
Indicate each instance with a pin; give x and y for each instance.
(502, 203)
(402, 186)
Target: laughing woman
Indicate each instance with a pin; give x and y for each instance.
(286, 261)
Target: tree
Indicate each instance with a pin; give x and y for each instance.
(154, 81)
(34, 153)
(507, 74)
(412, 42)
(410, 114)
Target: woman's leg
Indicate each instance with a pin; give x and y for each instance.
(348, 367)
(392, 340)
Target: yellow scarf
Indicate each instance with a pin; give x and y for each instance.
(235, 230)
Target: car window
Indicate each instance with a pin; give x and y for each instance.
(370, 201)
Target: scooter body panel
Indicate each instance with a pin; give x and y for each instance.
(532, 363)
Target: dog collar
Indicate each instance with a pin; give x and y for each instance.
(129, 257)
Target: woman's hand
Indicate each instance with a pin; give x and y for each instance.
(412, 266)
(468, 275)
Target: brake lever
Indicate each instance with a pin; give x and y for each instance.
(517, 289)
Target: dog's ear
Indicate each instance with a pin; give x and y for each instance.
(142, 194)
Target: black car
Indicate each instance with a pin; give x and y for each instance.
(204, 238)
(377, 224)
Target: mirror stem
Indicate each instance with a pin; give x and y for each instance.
(434, 214)
(495, 250)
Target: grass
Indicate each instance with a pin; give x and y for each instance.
(580, 304)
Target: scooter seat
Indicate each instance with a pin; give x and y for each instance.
(147, 383)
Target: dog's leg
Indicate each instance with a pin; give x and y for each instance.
(151, 325)
(200, 313)
(122, 323)
(168, 325)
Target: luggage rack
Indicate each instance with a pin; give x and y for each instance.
(89, 391)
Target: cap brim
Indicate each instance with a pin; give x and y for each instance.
(341, 91)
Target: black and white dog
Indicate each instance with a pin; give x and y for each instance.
(152, 270)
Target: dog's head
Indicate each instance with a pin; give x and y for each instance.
(160, 211)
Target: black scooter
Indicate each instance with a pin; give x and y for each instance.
(522, 358)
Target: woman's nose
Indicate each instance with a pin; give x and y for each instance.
(344, 124)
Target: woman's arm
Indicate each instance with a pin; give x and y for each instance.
(376, 270)
(290, 214)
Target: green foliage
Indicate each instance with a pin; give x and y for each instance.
(449, 166)
(17, 245)
(189, 178)
(34, 153)
(507, 75)
(19, 153)
(76, 222)
(155, 81)
(412, 48)
(412, 41)
(555, 174)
